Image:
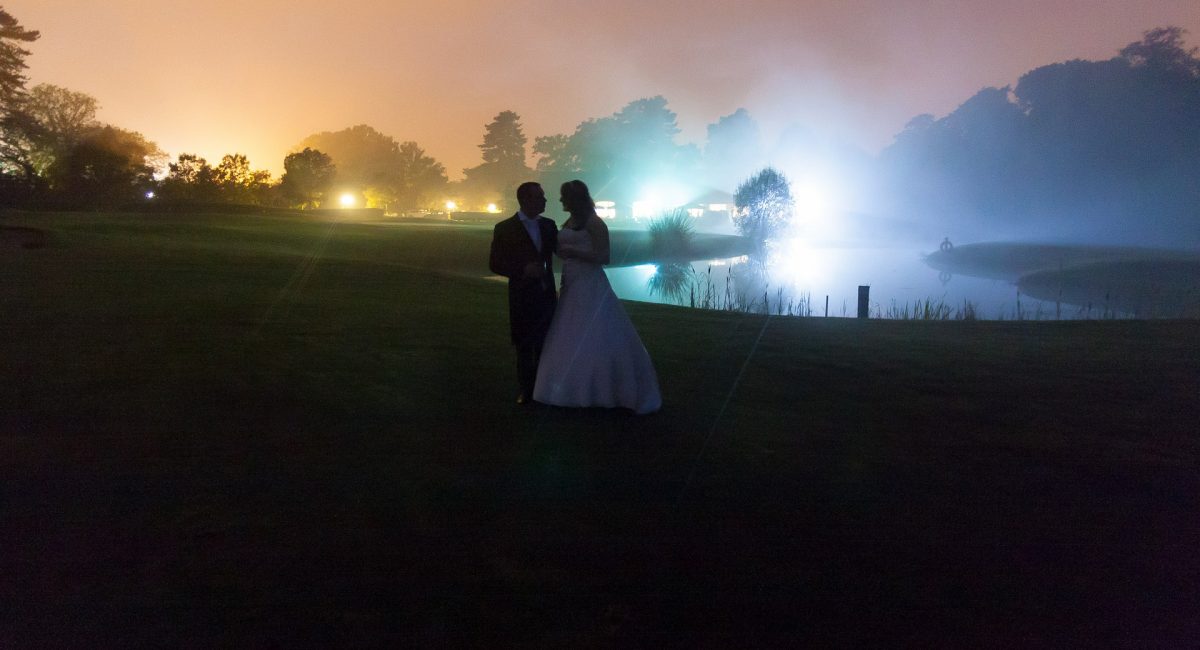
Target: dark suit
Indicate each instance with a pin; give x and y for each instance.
(531, 301)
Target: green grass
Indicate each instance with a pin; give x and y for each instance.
(260, 431)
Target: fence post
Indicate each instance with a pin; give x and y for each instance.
(864, 298)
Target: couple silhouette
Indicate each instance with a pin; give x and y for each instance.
(575, 347)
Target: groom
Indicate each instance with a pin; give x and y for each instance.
(522, 246)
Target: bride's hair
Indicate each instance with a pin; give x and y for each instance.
(578, 199)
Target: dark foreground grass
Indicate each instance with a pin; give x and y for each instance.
(253, 431)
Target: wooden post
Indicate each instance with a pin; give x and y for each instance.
(864, 298)
(826, 305)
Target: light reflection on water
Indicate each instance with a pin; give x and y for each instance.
(805, 277)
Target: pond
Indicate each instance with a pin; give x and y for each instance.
(796, 277)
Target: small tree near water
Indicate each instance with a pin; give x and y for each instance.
(764, 205)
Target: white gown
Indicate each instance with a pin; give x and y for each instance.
(592, 355)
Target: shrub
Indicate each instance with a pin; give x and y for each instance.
(671, 235)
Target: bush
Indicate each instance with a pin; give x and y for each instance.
(671, 235)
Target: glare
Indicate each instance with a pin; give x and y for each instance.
(347, 200)
(606, 209)
(149, 195)
(659, 198)
(801, 265)
(644, 208)
(811, 199)
(451, 205)
(491, 208)
(816, 209)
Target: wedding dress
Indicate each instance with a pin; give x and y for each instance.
(592, 355)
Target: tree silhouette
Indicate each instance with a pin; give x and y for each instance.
(504, 141)
(1163, 48)
(503, 168)
(108, 167)
(619, 154)
(418, 178)
(307, 177)
(764, 205)
(733, 150)
(12, 59)
(364, 157)
(65, 117)
(189, 178)
(236, 182)
(1091, 150)
(390, 174)
(19, 132)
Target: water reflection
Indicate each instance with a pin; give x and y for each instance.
(796, 278)
(672, 282)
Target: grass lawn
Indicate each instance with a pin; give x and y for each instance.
(244, 430)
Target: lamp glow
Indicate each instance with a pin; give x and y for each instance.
(492, 208)
(451, 206)
(347, 200)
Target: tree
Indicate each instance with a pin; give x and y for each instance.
(236, 182)
(109, 166)
(307, 176)
(551, 151)
(622, 153)
(20, 136)
(65, 117)
(504, 141)
(190, 178)
(1163, 48)
(18, 130)
(363, 156)
(390, 174)
(418, 178)
(1091, 150)
(734, 149)
(12, 59)
(764, 205)
(503, 168)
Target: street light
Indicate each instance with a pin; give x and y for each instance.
(451, 206)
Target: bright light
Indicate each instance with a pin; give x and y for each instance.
(451, 206)
(150, 195)
(606, 209)
(811, 199)
(809, 268)
(347, 200)
(695, 213)
(656, 199)
(718, 207)
(645, 208)
(492, 208)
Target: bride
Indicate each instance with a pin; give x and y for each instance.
(592, 355)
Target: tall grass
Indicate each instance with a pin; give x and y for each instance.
(680, 284)
(671, 235)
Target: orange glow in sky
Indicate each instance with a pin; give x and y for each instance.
(257, 76)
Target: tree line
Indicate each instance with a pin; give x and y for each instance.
(1100, 150)
(1085, 149)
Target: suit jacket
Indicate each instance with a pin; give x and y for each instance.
(531, 301)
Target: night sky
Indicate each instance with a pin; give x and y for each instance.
(257, 76)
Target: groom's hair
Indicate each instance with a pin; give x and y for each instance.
(525, 190)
